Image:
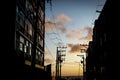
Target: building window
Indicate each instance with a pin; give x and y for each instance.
(39, 38)
(21, 44)
(21, 39)
(29, 8)
(42, 61)
(20, 17)
(39, 57)
(17, 9)
(28, 5)
(42, 28)
(41, 42)
(26, 25)
(26, 43)
(39, 25)
(25, 48)
(30, 29)
(30, 52)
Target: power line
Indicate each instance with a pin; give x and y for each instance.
(51, 9)
(50, 52)
(99, 4)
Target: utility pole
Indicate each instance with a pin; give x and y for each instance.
(83, 57)
(59, 60)
(57, 65)
(82, 63)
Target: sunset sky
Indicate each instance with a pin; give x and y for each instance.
(69, 23)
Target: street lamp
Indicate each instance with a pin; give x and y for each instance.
(82, 62)
(83, 57)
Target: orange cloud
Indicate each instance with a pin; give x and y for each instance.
(75, 48)
(72, 34)
(58, 23)
(61, 27)
(49, 25)
(81, 34)
(89, 34)
(63, 17)
(52, 26)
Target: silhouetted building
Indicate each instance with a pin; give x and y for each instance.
(90, 62)
(23, 39)
(101, 60)
(48, 70)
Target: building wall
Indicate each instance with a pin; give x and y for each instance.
(102, 62)
(23, 40)
(30, 31)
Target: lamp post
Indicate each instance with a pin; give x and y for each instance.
(83, 50)
(82, 63)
